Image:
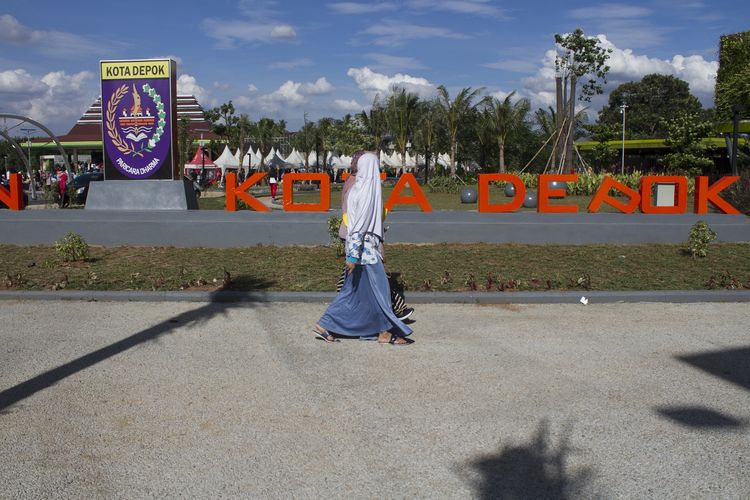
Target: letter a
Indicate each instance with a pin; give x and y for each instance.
(418, 198)
(602, 196)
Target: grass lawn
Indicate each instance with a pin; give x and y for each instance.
(438, 201)
(446, 267)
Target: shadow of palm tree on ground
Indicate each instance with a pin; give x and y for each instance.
(218, 305)
(536, 469)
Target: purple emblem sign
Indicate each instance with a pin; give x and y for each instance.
(138, 119)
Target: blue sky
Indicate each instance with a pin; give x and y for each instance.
(326, 58)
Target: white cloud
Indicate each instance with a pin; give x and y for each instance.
(54, 43)
(386, 62)
(283, 32)
(609, 11)
(320, 86)
(56, 99)
(230, 34)
(348, 106)
(393, 33)
(361, 8)
(11, 30)
(20, 83)
(187, 84)
(372, 84)
(294, 63)
(290, 94)
(626, 65)
(474, 7)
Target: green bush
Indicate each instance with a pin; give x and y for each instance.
(444, 184)
(72, 248)
(334, 222)
(738, 194)
(700, 237)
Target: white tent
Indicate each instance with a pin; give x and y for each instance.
(295, 158)
(312, 160)
(225, 161)
(444, 159)
(270, 155)
(411, 162)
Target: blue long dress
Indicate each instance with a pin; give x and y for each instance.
(363, 306)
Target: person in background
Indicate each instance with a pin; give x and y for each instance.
(62, 179)
(273, 180)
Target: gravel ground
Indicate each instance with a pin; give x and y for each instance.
(129, 400)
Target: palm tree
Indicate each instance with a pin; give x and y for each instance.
(455, 113)
(426, 131)
(401, 114)
(374, 122)
(264, 132)
(505, 117)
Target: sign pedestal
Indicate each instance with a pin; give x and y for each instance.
(142, 195)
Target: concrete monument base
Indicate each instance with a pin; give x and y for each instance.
(141, 195)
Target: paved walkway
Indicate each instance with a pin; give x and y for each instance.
(208, 400)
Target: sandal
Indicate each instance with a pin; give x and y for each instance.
(394, 340)
(324, 335)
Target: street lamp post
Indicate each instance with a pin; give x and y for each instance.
(623, 107)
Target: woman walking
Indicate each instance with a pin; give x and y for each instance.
(363, 306)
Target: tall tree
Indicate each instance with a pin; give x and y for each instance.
(426, 131)
(401, 114)
(264, 132)
(733, 77)
(374, 123)
(688, 156)
(651, 102)
(579, 56)
(455, 113)
(183, 141)
(504, 117)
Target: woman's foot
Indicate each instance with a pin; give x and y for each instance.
(393, 339)
(323, 334)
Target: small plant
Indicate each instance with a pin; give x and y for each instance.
(72, 248)
(700, 237)
(334, 222)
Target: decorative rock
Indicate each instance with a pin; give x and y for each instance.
(510, 190)
(530, 200)
(468, 195)
(557, 185)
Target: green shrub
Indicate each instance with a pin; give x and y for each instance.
(334, 222)
(445, 184)
(738, 194)
(72, 248)
(700, 237)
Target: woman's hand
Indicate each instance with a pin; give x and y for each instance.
(350, 266)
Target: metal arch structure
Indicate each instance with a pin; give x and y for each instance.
(45, 129)
(19, 150)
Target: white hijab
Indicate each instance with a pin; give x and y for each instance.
(365, 201)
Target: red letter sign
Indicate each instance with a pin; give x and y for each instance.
(233, 192)
(544, 193)
(705, 194)
(13, 199)
(417, 198)
(288, 194)
(647, 181)
(602, 196)
(484, 193)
